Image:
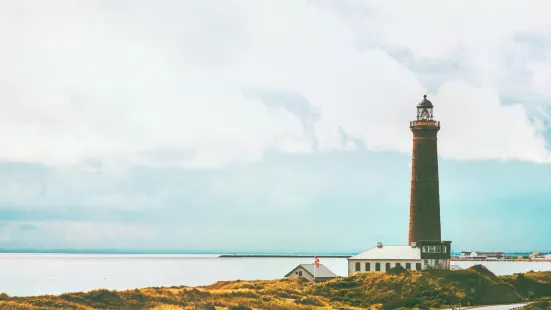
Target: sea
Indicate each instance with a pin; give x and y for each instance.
(39, 274)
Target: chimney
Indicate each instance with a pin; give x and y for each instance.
(379, 244)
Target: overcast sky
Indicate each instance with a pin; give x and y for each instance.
(256, 125)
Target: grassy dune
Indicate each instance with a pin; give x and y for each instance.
(400, 288)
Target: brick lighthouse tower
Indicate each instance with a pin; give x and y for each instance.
(425, 244)
(424, 217)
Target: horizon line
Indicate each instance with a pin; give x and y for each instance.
(209, 252)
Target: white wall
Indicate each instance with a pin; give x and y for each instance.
(444, 264)
(352, 265)
(305, 274)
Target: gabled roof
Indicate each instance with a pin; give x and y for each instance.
(321, 272)
(390, 252)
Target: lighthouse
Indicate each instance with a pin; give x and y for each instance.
(425, 249)
(424, 207)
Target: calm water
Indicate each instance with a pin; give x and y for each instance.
(35, 274)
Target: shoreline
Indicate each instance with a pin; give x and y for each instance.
(280, 256)
(226, 255)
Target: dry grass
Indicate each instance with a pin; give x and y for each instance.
(423, 290)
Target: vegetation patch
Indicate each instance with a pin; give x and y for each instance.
(397, 289)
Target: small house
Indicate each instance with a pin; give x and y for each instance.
(309, 271)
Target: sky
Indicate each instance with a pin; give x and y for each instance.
(270, 126)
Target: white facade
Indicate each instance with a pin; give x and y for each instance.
(385, 265)
(371, 265)
(534, 255)
(301, 272)
(383, 258)
(483, 255)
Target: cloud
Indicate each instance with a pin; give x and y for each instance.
(234, 207)
(165, 83)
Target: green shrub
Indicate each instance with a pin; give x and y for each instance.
(398, 270)
(240, 307)
(401, 303)
(209, 307)
(311, 301)
(540, 305)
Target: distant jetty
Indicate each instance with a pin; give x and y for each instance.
(281, 256)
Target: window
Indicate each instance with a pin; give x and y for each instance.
(300, 273)
(417, 266)
(387, 267)
(358, 267)
(408, 266)
(432, 249)
(367, 267)
(425, 115)
(377, 266)
(444, 249)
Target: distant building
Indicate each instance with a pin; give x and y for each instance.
(482, 255)
(498, 255)
(534, 255)
(419, 256)
(307, 271)
(539, 256)
(466, 254)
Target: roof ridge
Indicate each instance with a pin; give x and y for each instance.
(409, 246)
(390, 252)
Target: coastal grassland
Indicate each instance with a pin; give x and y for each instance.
(539, 305)
(539, 283)
(396, 289)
